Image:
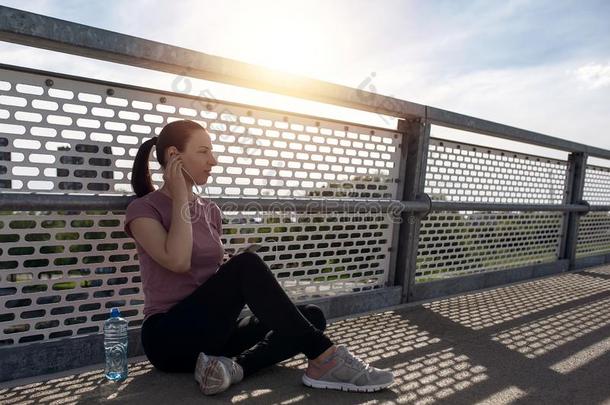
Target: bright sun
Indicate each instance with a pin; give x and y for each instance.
(310, 39)
(295, 38)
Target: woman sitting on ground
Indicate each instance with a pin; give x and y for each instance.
(193, 299)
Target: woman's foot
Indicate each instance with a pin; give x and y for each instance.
(215, 374)
(328, 352)
(343, 371)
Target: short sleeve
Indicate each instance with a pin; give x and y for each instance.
(139, 208)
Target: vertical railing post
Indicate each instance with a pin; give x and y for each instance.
(573, 194)
(400, 186)
(415, 140)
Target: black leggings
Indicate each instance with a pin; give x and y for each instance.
(206, 321)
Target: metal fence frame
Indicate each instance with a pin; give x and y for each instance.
(414, 124)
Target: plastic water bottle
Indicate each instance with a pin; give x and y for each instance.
(115, 346)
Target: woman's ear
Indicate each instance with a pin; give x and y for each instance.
(171, 151)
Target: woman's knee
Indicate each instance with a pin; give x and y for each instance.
(315, 315)
(250, 263)
(249, 256)
(248, 259)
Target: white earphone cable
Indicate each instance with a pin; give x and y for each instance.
(206, 208)
(208, 216)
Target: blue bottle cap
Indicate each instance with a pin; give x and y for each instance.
(115, 313)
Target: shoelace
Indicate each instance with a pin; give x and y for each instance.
(355, 361)
(233, 370)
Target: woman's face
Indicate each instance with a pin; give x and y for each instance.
(198, 158)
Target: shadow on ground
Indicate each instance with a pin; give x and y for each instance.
(545, 341)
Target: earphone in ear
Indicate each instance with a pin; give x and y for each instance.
(206, 209)
(187, 172)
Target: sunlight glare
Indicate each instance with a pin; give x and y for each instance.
(294, 38)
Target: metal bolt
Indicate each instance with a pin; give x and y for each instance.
(110, 92)
(163, 100)
(48, 82)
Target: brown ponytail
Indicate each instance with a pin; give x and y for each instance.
(176, 133)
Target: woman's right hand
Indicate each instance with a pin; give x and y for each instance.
(174, 179)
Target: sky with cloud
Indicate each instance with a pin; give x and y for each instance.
(538, 65)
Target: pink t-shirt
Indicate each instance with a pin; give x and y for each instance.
(164, 288)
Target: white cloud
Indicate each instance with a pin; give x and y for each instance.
(544, 99)
(594, 75)
(548, 99)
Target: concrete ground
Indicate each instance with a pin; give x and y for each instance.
(545, 341)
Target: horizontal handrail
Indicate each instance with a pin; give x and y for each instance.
(478, 206)
(481, 126)
(49, 202)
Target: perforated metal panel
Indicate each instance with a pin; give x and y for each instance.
(471, 173)
(593, 234)
(318, 255)
(597, 185)
(594, 227)
(89, 138)
(466, 242)
(62, 271)
(461, 243)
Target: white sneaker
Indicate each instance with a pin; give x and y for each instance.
(215, 374)
(347, 373)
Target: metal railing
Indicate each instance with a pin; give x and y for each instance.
(350, 216)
